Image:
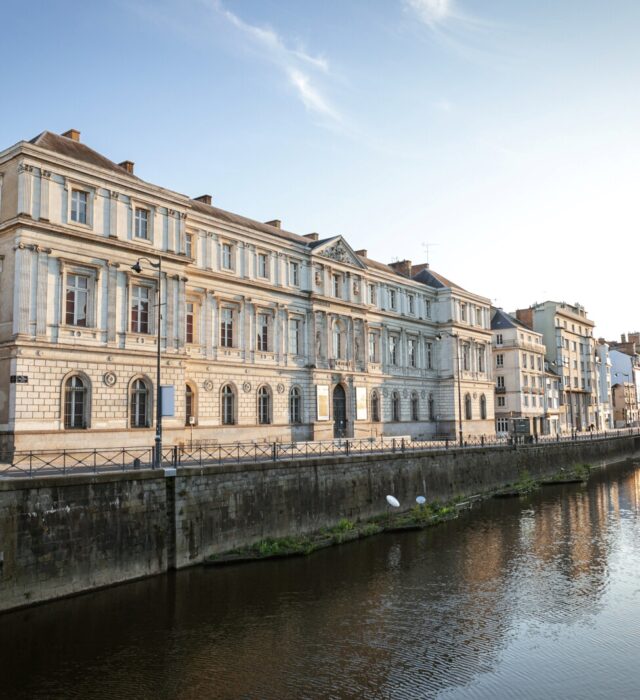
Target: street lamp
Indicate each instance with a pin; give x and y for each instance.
(157, 455)
(457, 339)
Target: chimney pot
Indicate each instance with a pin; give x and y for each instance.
(274, 222)
(127, 165)
(72, 134)
(204, 198)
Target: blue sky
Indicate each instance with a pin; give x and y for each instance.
(502, 134)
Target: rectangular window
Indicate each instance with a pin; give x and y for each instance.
(479, 316)
(189, 322)
(526, 399)
(392, 299)
(263, 332)
(141, 229)
(77, 300)
(524, 360)
(372, 294)
(427, 308)
(499, 339)
(373, 347)
(411, 303)
(188, 245)
(463, 311)
(263, 265)
(337, 286)
(411, 345)
(295, 327)
(227, 256)
(140, 298)
(501, 402)
(481, 357)
(294, 272)
(500, 382)
(525, 378)
(226, 328)
(499, 360)
(393, 350)
(79, 200)
(429, 355)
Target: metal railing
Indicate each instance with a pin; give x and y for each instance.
(86, 461)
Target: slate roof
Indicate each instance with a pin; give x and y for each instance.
(432, 279)
(75, 149)
(501, 320)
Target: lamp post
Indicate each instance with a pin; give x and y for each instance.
(457, 339)
(157, 455)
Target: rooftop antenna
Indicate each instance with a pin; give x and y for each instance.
(426, 247)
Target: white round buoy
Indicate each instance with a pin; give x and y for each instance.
(393, 501)
(421, 500)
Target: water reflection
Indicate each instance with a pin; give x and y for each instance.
(521, 598)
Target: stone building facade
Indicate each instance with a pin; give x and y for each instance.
(264, 334)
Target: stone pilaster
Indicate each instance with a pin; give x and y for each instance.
(113, 214)
(21, 299)
(25, 189)
(41, 290)
(111, 300)
(45, 178)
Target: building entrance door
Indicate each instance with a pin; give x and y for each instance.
(339, 412)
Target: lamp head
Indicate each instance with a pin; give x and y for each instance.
(136, 267)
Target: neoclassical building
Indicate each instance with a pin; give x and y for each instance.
(264, 334)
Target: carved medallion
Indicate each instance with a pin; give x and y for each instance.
(207, 385)
(109, 378)
(280, 388)
(246, 387)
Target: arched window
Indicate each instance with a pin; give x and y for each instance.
(295, 405)
(140, 413)
(375, 406)
(415, 406)
(395, 406)
(189, 405)
(228, 399)
(76, 403)
(467, 407)
(483, 407)
(432, 408)
(338, 340)
(264, 405)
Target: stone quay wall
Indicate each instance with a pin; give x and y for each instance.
(62, 535)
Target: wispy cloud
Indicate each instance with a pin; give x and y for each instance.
(295, 62)
(450, 25)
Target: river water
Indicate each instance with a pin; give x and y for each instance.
(537, 597)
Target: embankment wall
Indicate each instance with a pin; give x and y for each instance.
(61, 535)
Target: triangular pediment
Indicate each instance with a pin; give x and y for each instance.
(338, 249)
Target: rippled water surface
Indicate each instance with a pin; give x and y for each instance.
(524, 598)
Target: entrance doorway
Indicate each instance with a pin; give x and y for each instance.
(339, 412)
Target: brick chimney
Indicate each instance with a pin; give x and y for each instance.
(402, 267)
(362, 253)
(623, 338)
(204, 198)
(416, 269)
(72, 134)
(312, 236)
(274, 222)
(525, 316)
(127, 165)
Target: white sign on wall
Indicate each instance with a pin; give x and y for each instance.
(361, 403)
(322, 400)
